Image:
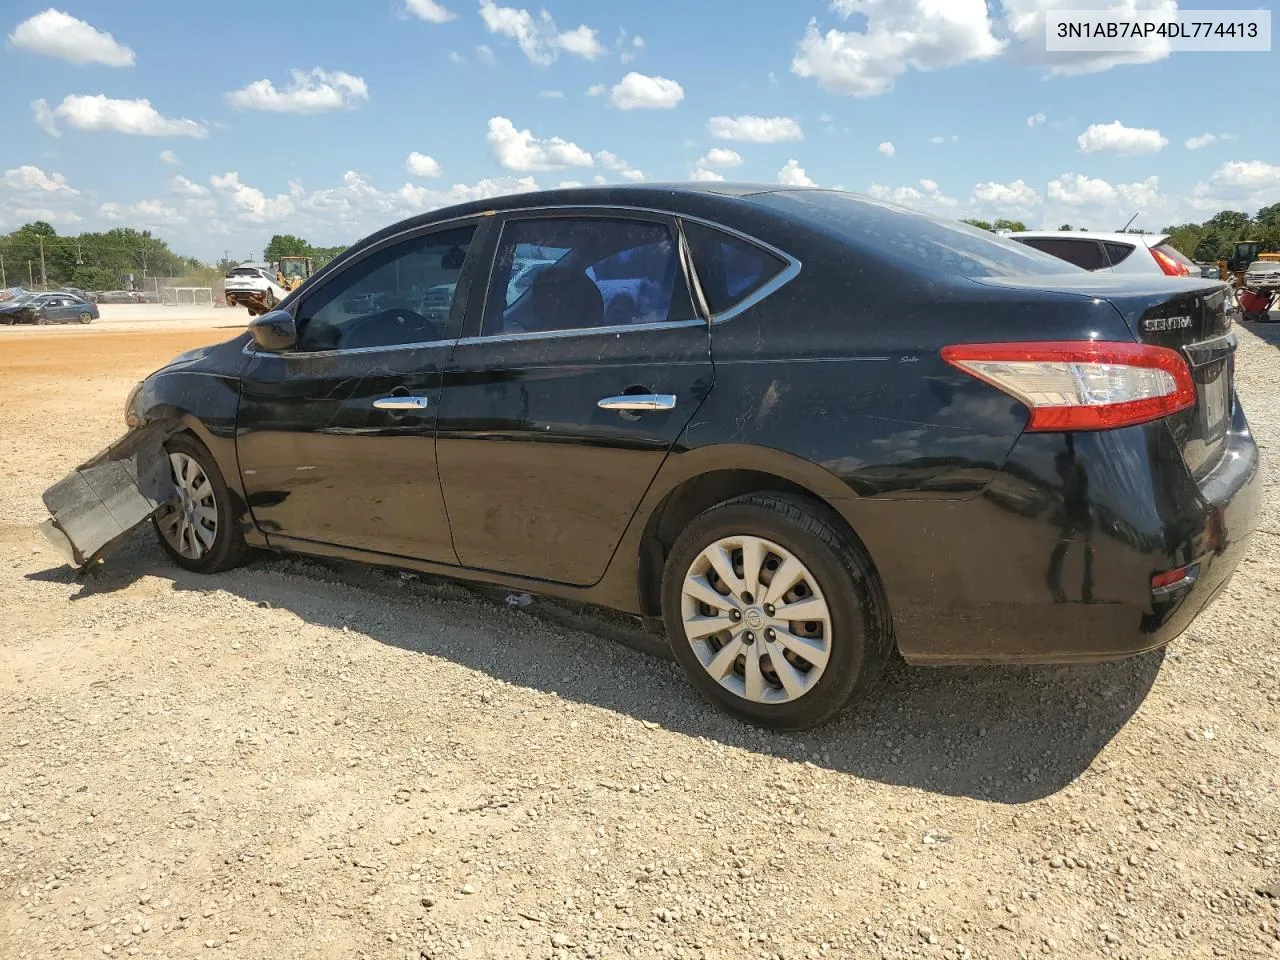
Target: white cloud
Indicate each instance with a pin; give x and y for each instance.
(485, 53)
(1076, 190)
(421, 165)
(755, 129)
(1115, 137)
(45, 119)
(186, 188)
(1009, 198)
(520, 150)
(1197, 143)
(309, 91)
(146, 212)
(429, 11)
(636, 91)
(888, 149)
(1249, 174)
(57, 34)
(923, 34)
(1025, 22)
(928, 199)
(619, 166)
(596, 90)
(569, 184)
(250, 203)
(97, 114)
(456, 57)
(538, 37)
(941, 139)
(720, 157)
(47, 214)
(1036, 119)
(169, 157)
(793, 175)
(637, 44)
(29, 179)
(702, 173)
(551, 94)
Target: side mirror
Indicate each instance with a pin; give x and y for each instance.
(274, 331)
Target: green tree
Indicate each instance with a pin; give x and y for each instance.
(1065, 226)
(286, 245)
(980, 224)
(1015, 226)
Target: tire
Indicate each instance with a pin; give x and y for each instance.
(855, 633)
(42, 319)
(269, 301)
(86, 317)
(199, 553)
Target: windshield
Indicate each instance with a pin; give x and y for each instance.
(945, 246)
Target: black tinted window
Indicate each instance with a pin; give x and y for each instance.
(730, 269)
(402, 294)
(1083, 253)
(932, 243)
(572, 274)
(1117, 252)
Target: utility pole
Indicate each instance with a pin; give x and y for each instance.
(3, 283)
(30, 279)
(44, 277)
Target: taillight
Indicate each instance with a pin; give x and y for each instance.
(1169, 265)
(1082, 384)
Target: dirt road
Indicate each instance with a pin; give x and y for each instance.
(295, 760)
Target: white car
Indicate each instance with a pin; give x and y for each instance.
(1126, 253)
(253, 286)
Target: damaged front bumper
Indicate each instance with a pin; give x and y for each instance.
(106, 498)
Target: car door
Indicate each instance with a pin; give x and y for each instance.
(580, 369)
(336, 438)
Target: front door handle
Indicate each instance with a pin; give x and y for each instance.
(402, 403)
(639, 402)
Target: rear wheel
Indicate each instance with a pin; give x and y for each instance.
(86, 317)
(199, 529)
(774, 612)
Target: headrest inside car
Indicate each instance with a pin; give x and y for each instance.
(565, 298)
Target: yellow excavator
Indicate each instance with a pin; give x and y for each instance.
(1246, 253)
(293, 272)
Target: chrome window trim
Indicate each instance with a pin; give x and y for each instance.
(788, 273)
(353, 351)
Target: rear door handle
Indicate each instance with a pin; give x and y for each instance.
(402, 403)
(639, 401)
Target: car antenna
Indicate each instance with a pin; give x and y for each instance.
(1125, 228)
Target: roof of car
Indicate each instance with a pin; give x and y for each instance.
(1150, 239)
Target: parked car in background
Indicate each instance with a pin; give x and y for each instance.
(42, 308)
(1210, 271)
(1263, 276)
(1126, 253)
(781, 457)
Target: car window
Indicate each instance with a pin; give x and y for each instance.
(1118, 252)
(579, 273)
(729, 268)
(401, 294)
(1086, 254)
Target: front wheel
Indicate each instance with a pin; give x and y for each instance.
(199, 528)
(42, 319)
(269, 301)
(774, 612)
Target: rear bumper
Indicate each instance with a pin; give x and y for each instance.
(1031, 573)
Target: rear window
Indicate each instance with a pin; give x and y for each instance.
(1086, 254)
(943, 246)
(1118, 252)
(730, 269)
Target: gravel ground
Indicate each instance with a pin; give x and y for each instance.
(305, 760)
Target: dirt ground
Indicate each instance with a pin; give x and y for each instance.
(303, 760)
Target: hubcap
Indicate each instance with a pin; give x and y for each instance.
(757, 620)
(191, 523)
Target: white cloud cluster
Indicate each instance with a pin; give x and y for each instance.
(99, 114)
(429, 11)
(183, 187)
(720, 157)
(421, 165)
(309, 91)
(1035, 120)
(521, 151)
(1077, 190)
(610, 161)
(151, 213)
(1013, 199)
(793, 175)
(33, 180)
(250, 203)
(755, 129)
(928, 198)
(888, 149)
(538, 36)
(1115, 137)
(57, 34)
(1025, 23)
(921, 34)
(169, 157)
(636, 91)
(703, 174)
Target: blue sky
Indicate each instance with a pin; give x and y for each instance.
(339, 123)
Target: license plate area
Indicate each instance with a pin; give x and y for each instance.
(1215, 400)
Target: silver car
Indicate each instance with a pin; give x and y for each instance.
(1126, 253)
(1263, 275)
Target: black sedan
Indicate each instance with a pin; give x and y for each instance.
(795, 429)
(42, 308)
